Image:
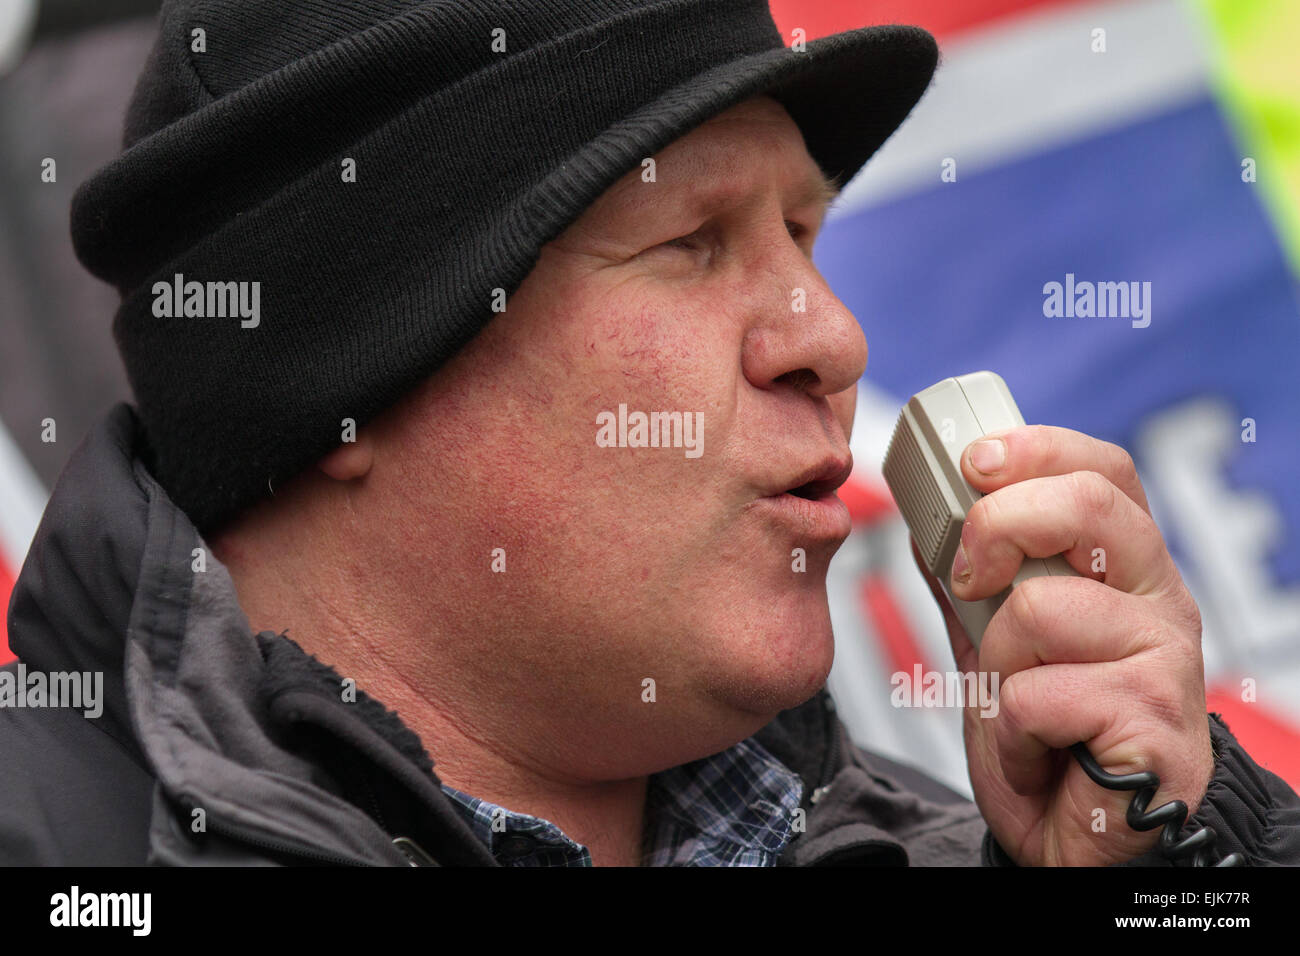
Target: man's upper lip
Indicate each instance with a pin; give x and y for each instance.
(820, 479)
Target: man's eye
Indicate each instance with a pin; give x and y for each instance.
(691, 241)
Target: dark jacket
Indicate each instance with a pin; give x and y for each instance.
(218, 746)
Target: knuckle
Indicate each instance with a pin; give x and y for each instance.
(1156, 682)
(1122, 463)
(1012, 700)
(1052, 445)
(1027, 608)
(1180, 647)
(981, 520)
(1094, 495)
(1190, 612)
(1177, 605)
(1159, 697)
(1145, 637)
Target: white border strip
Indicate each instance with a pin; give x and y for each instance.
(22, 502)
(17, 19)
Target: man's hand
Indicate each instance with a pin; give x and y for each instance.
(1112, 658)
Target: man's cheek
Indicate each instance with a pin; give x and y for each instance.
(648, 335)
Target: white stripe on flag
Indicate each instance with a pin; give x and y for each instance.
(1032, 82)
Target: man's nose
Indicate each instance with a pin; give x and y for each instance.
(803, 333)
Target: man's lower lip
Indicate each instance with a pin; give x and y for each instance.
(825, 518)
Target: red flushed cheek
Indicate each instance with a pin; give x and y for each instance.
(653, 350)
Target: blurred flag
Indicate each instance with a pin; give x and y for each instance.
(1147, 142)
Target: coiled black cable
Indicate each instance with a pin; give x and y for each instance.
(1173, 814)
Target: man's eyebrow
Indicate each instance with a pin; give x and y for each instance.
(816, 189)
(820, 190)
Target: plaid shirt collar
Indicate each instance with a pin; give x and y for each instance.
(736, 808)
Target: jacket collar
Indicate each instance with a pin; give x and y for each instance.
(233, 725)
(74, 593)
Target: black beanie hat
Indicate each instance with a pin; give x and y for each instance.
(476, 130)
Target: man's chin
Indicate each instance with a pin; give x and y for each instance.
(794, 670)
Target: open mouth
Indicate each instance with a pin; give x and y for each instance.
(822, 480)
(811, 509)
(815, 490)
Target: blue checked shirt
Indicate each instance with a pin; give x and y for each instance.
(736, 808)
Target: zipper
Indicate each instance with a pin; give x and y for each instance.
(376, 813)
(414, 853)
(837, 745)
(833, 766)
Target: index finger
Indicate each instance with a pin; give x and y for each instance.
(1039, 451)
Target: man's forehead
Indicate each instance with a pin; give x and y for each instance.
(727, 159)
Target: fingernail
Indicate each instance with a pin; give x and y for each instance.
(961, 565)
(988, 456)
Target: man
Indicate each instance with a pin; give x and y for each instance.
(404, 475)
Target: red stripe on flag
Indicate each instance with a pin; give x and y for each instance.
(943, 18)
(6, 587)
(866, 503)
(901, 648)
(1272, 743)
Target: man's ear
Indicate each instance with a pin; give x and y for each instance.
(350, 460)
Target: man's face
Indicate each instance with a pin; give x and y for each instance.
(691, 294)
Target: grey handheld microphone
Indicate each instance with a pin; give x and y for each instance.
(923, 470)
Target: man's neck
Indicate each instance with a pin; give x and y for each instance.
(606, 817)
